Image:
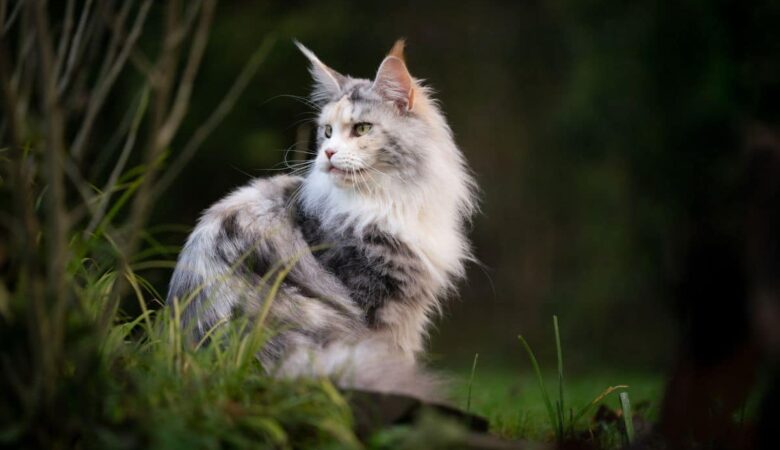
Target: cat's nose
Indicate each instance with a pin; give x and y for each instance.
(329, 153)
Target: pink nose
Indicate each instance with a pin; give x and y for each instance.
(329, 153)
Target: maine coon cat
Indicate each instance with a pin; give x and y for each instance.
(373, 237)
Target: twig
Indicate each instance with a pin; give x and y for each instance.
(120, 165)
(105, 84)
(166, 125)
(20, 177)
(216, 117)
(117, 26)
(75, 48)
(107, 151)
(182, 99)
(78, 181)
(161, 82)
(6, 24)
(55, 139)
(67, 28)
(21, 81)
(56, 217)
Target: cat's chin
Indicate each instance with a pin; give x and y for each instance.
(344, 178)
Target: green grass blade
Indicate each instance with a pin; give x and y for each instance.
(628, 419)
(559, 353)
(471, 382)
(598, 400)
(540, 380)
(131, 278)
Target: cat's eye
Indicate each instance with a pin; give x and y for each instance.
(361, 128)
(328, 130)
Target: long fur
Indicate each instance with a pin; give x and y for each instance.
(374, 235)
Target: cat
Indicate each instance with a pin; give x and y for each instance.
(373, 236)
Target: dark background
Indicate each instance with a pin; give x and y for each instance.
(597, 131)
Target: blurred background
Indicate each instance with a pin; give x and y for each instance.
(596, 131)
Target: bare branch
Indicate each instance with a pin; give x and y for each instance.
(161, 82)
(216, 117)
(108, 150)
(183, 94)
(104, 85)
(7, 24)
(142, 64)
(56, 216)
(78, 181)
(23, 60)
(164, 71)
(120, 165)
(75, 48)
(67, 27)
(3, 11)
(181, 32)
(22, 194)
(117, 25)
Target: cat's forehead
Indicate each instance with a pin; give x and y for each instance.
(356, 100)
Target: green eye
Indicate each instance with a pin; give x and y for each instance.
(328, 131)
(362, 128)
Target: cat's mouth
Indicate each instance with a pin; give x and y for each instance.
(344, 173)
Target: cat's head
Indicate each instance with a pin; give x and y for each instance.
(372, 132)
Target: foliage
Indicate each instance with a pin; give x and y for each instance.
(143, 385)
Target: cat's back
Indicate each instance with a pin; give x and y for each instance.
(261, 203)
(239, 238)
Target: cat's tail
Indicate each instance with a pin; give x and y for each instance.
(368, 366)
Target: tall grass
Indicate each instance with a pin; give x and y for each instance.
(145, 384)
(562, 419)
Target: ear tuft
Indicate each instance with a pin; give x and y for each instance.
(327, 82)
(398, 49)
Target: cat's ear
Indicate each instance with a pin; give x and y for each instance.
(327, 82)
(393, 81)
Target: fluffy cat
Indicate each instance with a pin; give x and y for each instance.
(373, 236)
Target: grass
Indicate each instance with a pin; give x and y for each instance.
(563, 419)
(511, 400)
(141, 384)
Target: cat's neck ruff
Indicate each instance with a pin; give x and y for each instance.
(427, 213)
(394, 210)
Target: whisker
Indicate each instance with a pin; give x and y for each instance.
(286, 166)
(298, 98)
